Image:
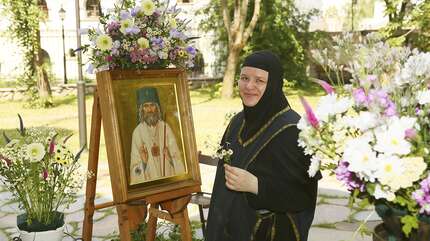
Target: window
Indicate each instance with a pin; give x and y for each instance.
(93, 8)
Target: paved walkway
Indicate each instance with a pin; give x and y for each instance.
(334, 221)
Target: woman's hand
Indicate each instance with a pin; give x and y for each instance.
(240, 180)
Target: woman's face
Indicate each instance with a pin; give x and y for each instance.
(252, 84)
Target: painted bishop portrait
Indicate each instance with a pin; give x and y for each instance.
(154, 149)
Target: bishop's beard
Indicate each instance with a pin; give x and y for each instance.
(151, 118)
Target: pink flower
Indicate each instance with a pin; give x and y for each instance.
(45, 174)
(360, 96)
(310, 116)
(51, 146)
(109, 58)
(326, 86)
(7, 160)
(410, 133)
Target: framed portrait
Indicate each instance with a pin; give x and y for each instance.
(149, 132)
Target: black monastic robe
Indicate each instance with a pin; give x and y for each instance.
(285, 205)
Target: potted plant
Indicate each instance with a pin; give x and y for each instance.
(43, 176)
(372, 131)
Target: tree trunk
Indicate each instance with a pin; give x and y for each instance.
(43, 85)
(230, 71)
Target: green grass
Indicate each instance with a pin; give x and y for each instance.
(208, 117)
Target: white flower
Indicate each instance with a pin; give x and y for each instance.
(389, 170)
(148, 7)
(125, 24)
(364, 121)
(391, 139)
(104, 42)
(35, 152)
(314, 167)
(423, 97)
(381, 192)
(330, 105)
(163, 55)
(360, 156)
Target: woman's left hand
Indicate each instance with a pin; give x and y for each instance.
(240, 180)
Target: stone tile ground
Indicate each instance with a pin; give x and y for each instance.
(334, 220)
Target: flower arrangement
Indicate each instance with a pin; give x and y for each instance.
(149, 35)
(373, 133)
(224, 153)
(41, 173)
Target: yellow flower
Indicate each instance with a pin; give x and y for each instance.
(172, 23)
(126, 23)
(104, 42)
(181, 53)
(143, 43)
(148, 7)
(61, 159)
(35, 152)
(414, 167)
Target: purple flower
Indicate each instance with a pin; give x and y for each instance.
(360, 96)
(310, 116)
(348, 178)
(422, 196)
(135, 11)
(90, 68)
(174, 33)
(113, 26)
(191, 50)
(391, 109)
(157, 43)
(124, 14)
(132, 30)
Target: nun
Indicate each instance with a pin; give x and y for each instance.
(263, 192)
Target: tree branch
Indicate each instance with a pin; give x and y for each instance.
(243, 14)
(253, 22)
(226, 18)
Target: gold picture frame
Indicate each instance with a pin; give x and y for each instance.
(149, 133)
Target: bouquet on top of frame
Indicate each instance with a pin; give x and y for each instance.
(147, 35)
(373, 132)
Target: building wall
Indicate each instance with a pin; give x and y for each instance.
(333, 18)
(51, 40)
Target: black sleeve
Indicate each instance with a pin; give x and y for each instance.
(283, 182)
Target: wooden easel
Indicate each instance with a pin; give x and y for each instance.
(132, 213)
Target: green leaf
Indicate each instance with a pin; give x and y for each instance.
(409, 222)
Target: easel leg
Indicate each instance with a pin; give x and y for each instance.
(184, 223)
(152, 224)
(93, 160)
(124, 225)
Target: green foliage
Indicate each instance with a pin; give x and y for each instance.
(409, 223)
(25, 16)
(170, 232)
(409, 23)
(280, 28)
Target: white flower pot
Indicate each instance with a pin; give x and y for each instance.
(51, 235)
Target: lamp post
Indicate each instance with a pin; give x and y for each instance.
(62, 14)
